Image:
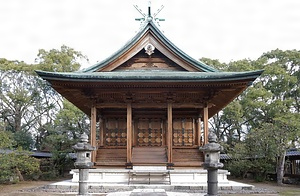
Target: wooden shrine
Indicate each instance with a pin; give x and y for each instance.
(149, 103)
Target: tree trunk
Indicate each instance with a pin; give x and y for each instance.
(19, 174)
(280, 168)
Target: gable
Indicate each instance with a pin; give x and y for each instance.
(135, 55)
(145, 62)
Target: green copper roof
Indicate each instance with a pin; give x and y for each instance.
(151, 26)
(150, 76)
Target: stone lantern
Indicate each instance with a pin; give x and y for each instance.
(83, 162)
(212, 163)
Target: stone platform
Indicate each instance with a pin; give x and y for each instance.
(69, 187)
(176, 176)
(181, 180)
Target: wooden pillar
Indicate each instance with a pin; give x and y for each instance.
(93, 131)
(199, 132)
(170, 130)
(134, 133)
(205, 124)
(101, 134)
(129, 132)
(164, 132)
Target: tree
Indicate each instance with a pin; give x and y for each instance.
(23, 105)
(230, 124)
(276, 105)
(29, 106)
(70, 123)
(61, 133)
(64, 60)
(270, 107)
(15, 164)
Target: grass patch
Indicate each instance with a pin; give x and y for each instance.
(291, 192)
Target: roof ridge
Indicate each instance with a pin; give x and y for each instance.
(150, 26)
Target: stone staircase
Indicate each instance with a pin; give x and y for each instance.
(149, 166)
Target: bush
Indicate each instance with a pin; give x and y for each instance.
(18, 166)
(238, 168)
(48, 171)
(258, 167)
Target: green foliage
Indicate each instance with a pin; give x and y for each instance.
(239, 168)
(16, 165)
(64, 60)
(24, 104)
(6, 141)
(29, 110)
(47, 170)
(262, 123)
(23, 140)
(6, 65)
(58, 143)
(72, 119)
(70, 123)
(256, 154)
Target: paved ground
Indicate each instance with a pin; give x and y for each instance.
(33, 189)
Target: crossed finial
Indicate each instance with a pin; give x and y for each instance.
(148, 17)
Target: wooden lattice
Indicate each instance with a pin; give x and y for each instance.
(183, 132)
(115, 132)
(149, 132)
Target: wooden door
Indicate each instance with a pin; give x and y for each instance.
(183, 132)
(149, 132)
(115, 132)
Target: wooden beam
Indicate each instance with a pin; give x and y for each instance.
(170, 130)
(129, 132)
(93, 132)
(205, 124)
(150, 105)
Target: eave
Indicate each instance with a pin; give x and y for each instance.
(155, 76)
(85, 89)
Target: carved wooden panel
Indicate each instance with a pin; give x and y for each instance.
(115, 132)
(149, 132)
(183, 132)
(142, 61)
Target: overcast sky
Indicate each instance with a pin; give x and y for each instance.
(219, 29)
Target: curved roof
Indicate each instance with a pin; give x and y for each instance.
(131, 70)
(154, 76)
(151, 27)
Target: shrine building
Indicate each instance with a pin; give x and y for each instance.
(149, 103)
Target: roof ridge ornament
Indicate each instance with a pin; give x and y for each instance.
(148, 17)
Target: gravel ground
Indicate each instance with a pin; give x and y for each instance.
(256, 190)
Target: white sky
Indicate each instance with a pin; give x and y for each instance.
(219, 29)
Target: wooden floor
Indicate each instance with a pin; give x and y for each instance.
(182, 157)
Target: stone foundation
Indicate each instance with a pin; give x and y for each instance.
(177, 176)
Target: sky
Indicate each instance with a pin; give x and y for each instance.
(227, 30)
